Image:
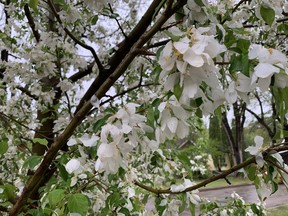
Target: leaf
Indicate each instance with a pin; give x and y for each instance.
(94, 20)
(178, 91)
(63, 172)
(34, 5)
(3, 147)
(55, 197)
(99, 124)
(243, 45)
(283, 28)
(41, 141)
(192, 209)
(78, 203)
(240, 63)
(174, 38)
(32, 161)
(252, 172)
(159, 208)
(124, 211)
(199, 3)
(268, 14)
(9, 191)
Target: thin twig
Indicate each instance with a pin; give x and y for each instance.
(84, 45)
(118, 23)
(160, 43)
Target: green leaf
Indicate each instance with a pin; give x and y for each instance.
(283, 28)
(243, 45)
(34, 5)
(78, 203)
(268, 14)
(32, 161)
(252, 172)
(124, 211)
(9, 192)
(100, 123)
(240, 63)
(178, 91)
(41, 141)
(63, 173)
(192, 209)
(173, 37)
(159, 208)
(3, 147)
(55, 197)
(94, 20)
(115, 200)
(199, 3)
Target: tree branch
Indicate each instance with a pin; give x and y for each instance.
(27, 92)
(262, 122)
(31, 22)
(80, 43)
(213, 178)
(124, 55)
(82, 73)
(103, 84)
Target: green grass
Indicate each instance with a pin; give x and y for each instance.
(278, 211)
(222, 183)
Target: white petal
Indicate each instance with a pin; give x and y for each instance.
(193, 59)
(71, 142)
(264, 70)
(259, 160)
(243, 83)
(172, 124)
(181, 66)
(89, 141)
(162, 106)
(182, 130)
(72, 166)
(171, 81)
(126, 129)
(264, 83)
(131, 192)
(106, 151)
(190, 88)
(177, 188)
(74, 180)
(95, 101)
(181, 46)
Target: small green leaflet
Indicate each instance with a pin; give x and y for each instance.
(199, 3)
(3, 147)
(34, 5)
(268, 14)
(32, 161)
(41, 141)
(78, 203)
(55, 197)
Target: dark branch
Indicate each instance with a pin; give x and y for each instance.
(82, 44)
(223, 175)
(31, 22)
(27, 92)
(82, 73)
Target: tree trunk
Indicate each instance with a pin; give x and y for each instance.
(234, 134)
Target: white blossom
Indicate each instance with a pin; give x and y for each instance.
(257, 150)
